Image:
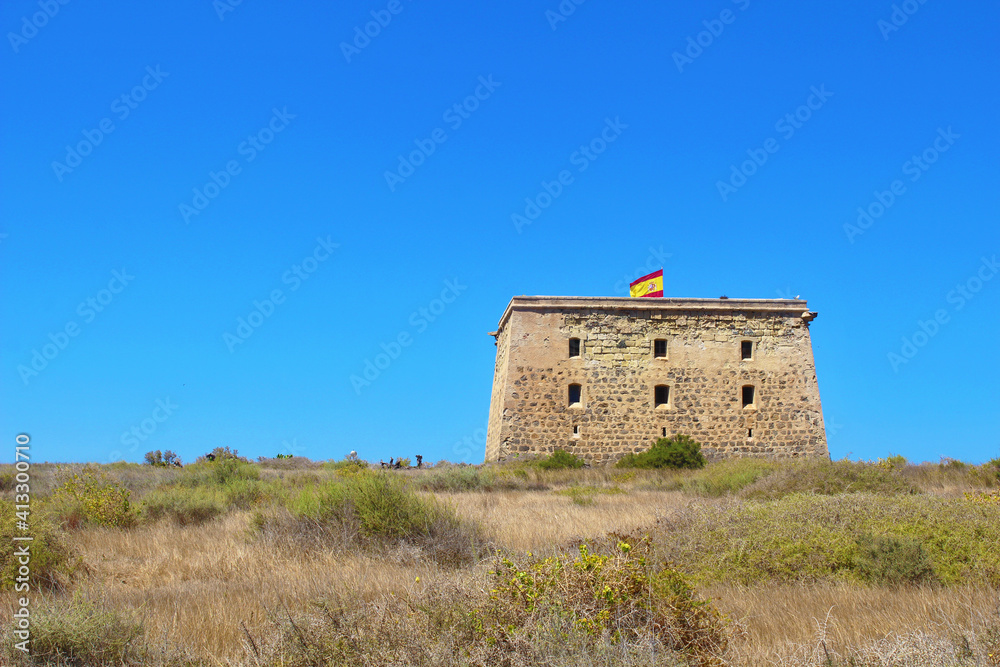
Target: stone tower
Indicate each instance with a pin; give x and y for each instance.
(603, 376)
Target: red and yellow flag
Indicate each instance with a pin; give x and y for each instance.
(650, 285)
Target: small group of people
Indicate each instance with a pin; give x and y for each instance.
(397, 463)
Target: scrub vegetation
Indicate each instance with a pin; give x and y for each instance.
(294, 562)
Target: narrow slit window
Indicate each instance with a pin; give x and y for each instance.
(576, 431)
(663, 431)
(749, 434)
(661, 396)
(746, 350)
(574, 347)
(575, 391)
(660, 348)
(748, 396)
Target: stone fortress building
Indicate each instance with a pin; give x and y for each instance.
(603, 376)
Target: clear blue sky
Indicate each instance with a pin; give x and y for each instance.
(287, 136)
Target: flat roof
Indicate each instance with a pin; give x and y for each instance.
(790, 307)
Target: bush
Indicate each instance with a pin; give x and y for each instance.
(82, 633)
(377, 509)
(446, 477)
(558, 460)
(830, 478)
(679, 451)
(89, 497)
(625, 595)
(218, 473)
(346, 467)
(891, 560)
(728, 476)
(167, 459)
(222, 454)
(52, 560)
(584, 495)
(184, 506)
(816, 538)
(992, 467)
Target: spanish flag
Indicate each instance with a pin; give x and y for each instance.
(651, 285)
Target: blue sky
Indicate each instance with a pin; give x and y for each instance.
(170, 169)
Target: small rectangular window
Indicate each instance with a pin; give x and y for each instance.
(749, 434)
(661, 395)
(576, 431)
(575, 392)
(748, 396)
(574, 347)
(663, 431)
(746, 350)
(660, 348)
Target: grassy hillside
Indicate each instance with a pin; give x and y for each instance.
(294, 562)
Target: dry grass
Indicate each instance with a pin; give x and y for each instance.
(540, 522)
(197, 586)
(780, 622)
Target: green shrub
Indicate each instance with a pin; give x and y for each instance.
(625, 594)
(952, 464)
(993, 468)
(829, 478)
(812, 538)
(346, 467)
(184, 506)
(584, 495)
(891, 560)
(89, 497)
(679, 451)
(892, 462)
(223, 453)
(80, 632)
(728, 476)
(558, 460)
(218, 473)
(52, 560)
(378, 509)
(445, 477)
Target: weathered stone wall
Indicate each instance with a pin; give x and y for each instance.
(530, 411)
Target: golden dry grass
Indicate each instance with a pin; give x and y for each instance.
(540, 521)
(780, 621)
(197, 586)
